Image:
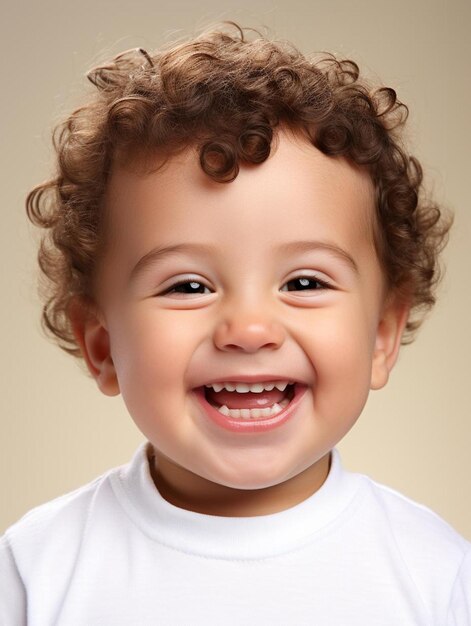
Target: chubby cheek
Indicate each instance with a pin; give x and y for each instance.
(151, 355)
(340, 351)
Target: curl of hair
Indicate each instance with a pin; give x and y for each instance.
(226, 93)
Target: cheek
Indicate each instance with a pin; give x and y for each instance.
(340, 351)
(344, 332)
(152, 352)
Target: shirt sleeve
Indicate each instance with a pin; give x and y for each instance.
(459, 612)
(12, 590)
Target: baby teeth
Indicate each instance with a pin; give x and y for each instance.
(245, 387)
(253, 413)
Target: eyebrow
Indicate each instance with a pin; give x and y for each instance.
(160, 252)
(326, 246)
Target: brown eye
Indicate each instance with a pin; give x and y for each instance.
(186, 287)
(305, 283)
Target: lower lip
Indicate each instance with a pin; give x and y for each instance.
(250, 425)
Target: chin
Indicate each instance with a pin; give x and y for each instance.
(251, 481)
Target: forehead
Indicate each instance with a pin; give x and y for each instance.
(296, 181)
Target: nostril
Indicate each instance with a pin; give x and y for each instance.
(247, 347)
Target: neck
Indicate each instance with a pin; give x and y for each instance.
(189, 491)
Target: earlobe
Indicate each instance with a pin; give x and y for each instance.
(388, 341)
(94, 341)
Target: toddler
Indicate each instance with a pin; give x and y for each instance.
(236, 240)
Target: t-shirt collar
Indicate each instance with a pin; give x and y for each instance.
(238, 538)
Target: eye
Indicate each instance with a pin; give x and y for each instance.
(307, 283)
(186, 287)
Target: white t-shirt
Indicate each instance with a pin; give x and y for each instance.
(116, 553)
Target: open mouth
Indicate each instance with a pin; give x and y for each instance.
(250, 405)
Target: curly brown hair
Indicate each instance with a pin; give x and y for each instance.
(226, 93)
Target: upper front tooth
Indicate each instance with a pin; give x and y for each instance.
(257, 388)
(241, 388)
(254, 388)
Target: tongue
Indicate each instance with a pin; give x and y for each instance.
(249, 400)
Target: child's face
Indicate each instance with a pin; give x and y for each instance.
(246, 313)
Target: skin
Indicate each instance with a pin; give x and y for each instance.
(248, 315)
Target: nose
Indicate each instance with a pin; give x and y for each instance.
(248, 331)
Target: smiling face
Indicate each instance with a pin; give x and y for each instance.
(251, 300)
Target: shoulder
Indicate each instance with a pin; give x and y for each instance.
(435, 555)
(54, 527)
(415, 523)
(57, 509)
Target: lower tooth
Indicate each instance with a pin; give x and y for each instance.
(253, 413)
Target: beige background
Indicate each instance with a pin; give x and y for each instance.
(57, 431)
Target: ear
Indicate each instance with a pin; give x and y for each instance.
(94, 341)
(388, 341)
